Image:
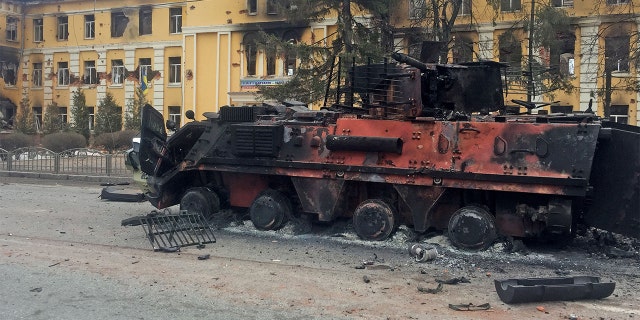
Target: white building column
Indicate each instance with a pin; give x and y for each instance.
(129, 85)
(589, 68)
(47, 70)
(158, 84)
(485, 42)
(74, 68)
(101, 67)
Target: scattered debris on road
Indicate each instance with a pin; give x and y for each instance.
(122, 194)
(431, 290)
(469, 307)
(553, 289)
(423, 253)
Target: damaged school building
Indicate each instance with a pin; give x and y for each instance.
(200, 55)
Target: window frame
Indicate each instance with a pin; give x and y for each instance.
(145, 12)
(175, 20)
(252, 7)
(12, 29)
(272, 8)
(63, 74)
(175, 70)
(562, 3)
(63, 113)
(514, 5)
(117, 72)
(116, 25)
(92, 117)
(142, 66)
(38, 29)
(465, 8)
(89, 26)
(619, 112)
(63, 28)
(621, 42)
(91, 72)
(36, 75)
(176, 117)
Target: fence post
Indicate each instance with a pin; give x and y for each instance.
(56, 163)
(10, 161)
(109, 164)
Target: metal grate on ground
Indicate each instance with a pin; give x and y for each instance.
(170, 232)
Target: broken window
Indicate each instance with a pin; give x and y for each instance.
(175, 20)
(290, 57)
(465, 8)
(619, 114)
(9, 71)
(63, 28)
(252, 7)
(417, 9)
(510, 5)
(118, 24)
(37, 114)
(89, 26)
(62, 111)
(510, 52)
(90, 73)
(272, 7)
(250, 44)
(561, 54)
(144, 68)
(117, 71)
(38, 30)
(616, 50)
(63, 73)
(37, 75)
(145, 20)
(12, 29)
(462, 49)
(175, 70)
(174, 114)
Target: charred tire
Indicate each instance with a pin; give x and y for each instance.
(270, 210)
(374, 220)
(200, 201)
(472, 228)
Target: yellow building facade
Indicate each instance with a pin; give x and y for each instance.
(200, 55)
(602, 40)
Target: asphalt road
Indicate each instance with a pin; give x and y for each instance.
(64, 255)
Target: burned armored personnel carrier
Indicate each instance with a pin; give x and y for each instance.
(425, 145)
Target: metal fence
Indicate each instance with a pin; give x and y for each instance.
(74, 161)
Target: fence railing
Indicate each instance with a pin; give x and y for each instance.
(74, 161)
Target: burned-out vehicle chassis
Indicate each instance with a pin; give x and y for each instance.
(429, 146)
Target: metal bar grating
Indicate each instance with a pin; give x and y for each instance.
(170, 232)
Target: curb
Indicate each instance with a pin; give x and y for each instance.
(72, 177)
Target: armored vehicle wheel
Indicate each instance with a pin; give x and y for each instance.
(270, 210)
(373, 219)
(200, 201)
(472, 227)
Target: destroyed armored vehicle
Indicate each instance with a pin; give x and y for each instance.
(425, 145)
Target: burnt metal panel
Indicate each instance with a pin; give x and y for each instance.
(319, 196)
(240, 114)
(616, 181)
(553, 289)
(256, 140)
(363, 143)
(420, 200)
